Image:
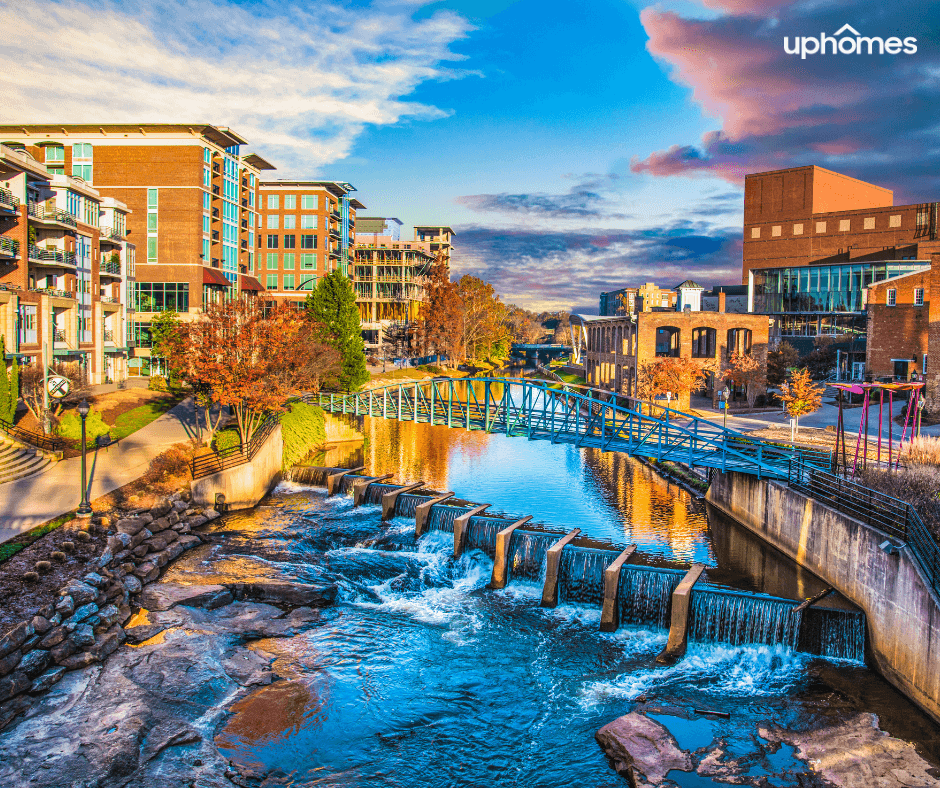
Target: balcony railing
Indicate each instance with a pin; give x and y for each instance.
(106, 299)
(44, 214)
(37, 254)
(9, 247)
(336, 215)
(8, 200)
(108, 336)
(58, 335)
(110, 268)
(110, 234)
(51, 291)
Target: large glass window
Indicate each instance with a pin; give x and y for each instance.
(290, 203)
(288, 262)
(152, 198)
(272, 262)
(272, 282)
(290, 222)
(55, 153)
(142, 335)
(308, 221)
(82, 171)
(308, 261)
(272, 242)
(667, 341)
(703, 343)
(308, 202)
(308, 242)
(272, 202)
(290, 241)
(288, 281)
(739, 340)
(273, 221)
(161, 296)
(151, 250)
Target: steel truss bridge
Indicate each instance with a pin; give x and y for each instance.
(579, 415)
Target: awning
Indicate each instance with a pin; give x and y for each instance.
(250, 283)
(212, 277)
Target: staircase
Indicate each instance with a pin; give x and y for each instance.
(18, 461)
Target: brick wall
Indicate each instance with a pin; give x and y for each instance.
(900, 331)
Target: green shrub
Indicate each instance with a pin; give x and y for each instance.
(226, 439)
(70, 426)
(158, 383)
(303, 429)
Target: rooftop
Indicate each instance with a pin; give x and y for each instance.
(220, 135)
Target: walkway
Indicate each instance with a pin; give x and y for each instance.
(26, 503)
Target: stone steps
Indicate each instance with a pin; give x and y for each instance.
(18, 462)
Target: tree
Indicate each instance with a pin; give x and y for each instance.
(779, 360)
(164, 331)
(745, 370)
(483, 319)
(33, 388)
(442, 316)
(678, 376)
(800, 395)
(9, 385)
(333, 306)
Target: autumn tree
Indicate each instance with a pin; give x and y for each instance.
(779, 360)
(483, 319)
(9, 385)
(745, 370)
(800, 395)
(442, 316)
(333, 306)
(678, 376)
(33, 390)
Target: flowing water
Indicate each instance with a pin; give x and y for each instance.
(422, 677)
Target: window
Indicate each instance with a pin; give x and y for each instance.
(820, 227)
(205, 224)
(272, 202)
(869, 223)
(272, 242)
(739, 340)
(894, 221)
(892, 297)
(308, 242)
(776, 230)
(308, 261)
(308, 221)
(290, 241)
(308, 202)
(81, 150)
(290, 222)
(151, 250)
(161, 296)
(797, 229)
(271, 282)
(152, 199)
(273, 221)
(272, 261)
(288, 281)
(152, 222)
(207, 155)
(142, 336)
(205, 248)
(703, 343)
(667, 342)
(755, 232)
(918, 296)
(56, 170)
(844, 225)
(308, 283)
(82, 171)
(205, 201)
(288, 262)
(290, 202)
(55, 153)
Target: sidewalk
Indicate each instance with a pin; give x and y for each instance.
(26, 503)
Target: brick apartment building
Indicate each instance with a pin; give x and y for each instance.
(65, 264)
(307, 230)
(630, 300)
(899, 327)
(193, 212)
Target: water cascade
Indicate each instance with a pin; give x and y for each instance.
(375, 492)
(833, 633)
(646, 594)
(581, 578)
(406, 504)
(482, 533)
(738, 618)
(443, 516)
(527, 554)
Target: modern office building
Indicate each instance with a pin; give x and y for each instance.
(368, 228)
(65, 266)
(308, 229)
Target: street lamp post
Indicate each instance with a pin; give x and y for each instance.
(83, 508)
(725, 393)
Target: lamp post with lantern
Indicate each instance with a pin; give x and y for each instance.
(84, 509)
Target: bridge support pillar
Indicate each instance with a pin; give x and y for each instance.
(334, 479)
(423, 511)
(501, 559)
(610, 612)
(462, 528)
(389, 499)
(361, 485)
(679, 624)
(550, 587)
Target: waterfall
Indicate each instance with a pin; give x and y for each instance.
(581, 575)
(738, 618)
(645, 594)
(309, 474)
(833, 633)
(406, 503)
(527, 554)
(375, 492)
(481, 533)
(443, 516)
(346, 483)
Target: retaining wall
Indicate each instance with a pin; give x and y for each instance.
(339, 429)
(244, 485)
(903, 612)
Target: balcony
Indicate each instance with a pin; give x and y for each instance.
(8, 202)
(108, 336)
(51, 291)
(106, 299)
(111, 234)
(215, 213)
(336, 215)
(110, 268)
(40, 213)
(58, 335)
(9, 247)
(335, 233)
(50, 256)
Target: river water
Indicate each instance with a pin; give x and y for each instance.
(422, 677)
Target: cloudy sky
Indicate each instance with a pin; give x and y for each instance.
(574, 147)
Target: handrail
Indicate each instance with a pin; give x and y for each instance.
(8, 198)
(35, 439)
(234, 456)
(39, 211)
(9, 246)
(51, 255)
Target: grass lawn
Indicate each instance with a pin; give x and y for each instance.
(132, 420)
(570, 377)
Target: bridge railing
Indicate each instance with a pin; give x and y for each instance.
(233, 456)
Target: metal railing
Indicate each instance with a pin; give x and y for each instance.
(58, 335)
(109, 267)
(110, 234)
(36, 439)
(8, 200)
(39, 211)
(234, 456)
(9, 246)
(891, 515)
(51, 291)
(38, 254)
(106, 299)
(108, 335)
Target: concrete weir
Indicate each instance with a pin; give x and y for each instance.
(361, 485)
(462, 527)
(610, 612)
(553, 562)
(501, 560)
(679, 617)
(334, 480)
(389, 499)
(423, 511)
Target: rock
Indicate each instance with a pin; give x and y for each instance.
(83, 612)
(35, 662)
(140, 537)
(159, 525)
(55, 620)
(10, 661)
(62, 650)
(46, 680)
(153, 574)
(81, 660)
(182, 528)
(189, 541)
(635, 743)
(144, 570)
(284, 593)
(161, 509)
(30, 643)
(195, 522)
(210, 514)
(174, 551)
(53, 637)
(248, 667)
(119, 557)
(130, 526)
(101, 599)
(164, 596)
(81, 593)
(48, 610)
(108, 643)
(180, 506)
(94, 579)
(143, 632)
(106, 557)
(161, 541)
(41, 624)
(83, 636)
(140, 551)
(13, 684)
(13, 639)
(127, 567)
(66, 606)
(145, 517)
(109, 615)
(132, 584)
(120, 541)
(173, 518)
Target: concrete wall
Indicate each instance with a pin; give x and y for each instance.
(340, 428)
(244, 485)
(903, 613)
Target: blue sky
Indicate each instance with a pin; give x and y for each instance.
(574, 147)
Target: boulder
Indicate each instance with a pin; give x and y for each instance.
(210, 514)
(285, 594)
(140, 537)
(94, 579)
(159, 525)
(635, 743)
(143, 632)
(83, 612)
(81, 593)
(77, 661)
(15, 638)
(35, 662)
(65, 606)
(62, 650)
(132, 584)
(180, 506)
(130, 526)
(189, 541)
(161, 509)
(144, 570)
(53, 637)
(46, 680)
(196, 521)
(120, 541)
(109, 615)
(41, 624)
(83, 636)
(164, 596)
(14, 684)
(10, 661)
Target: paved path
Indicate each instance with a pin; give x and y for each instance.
(26, 503)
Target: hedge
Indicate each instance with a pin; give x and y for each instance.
(303, 429)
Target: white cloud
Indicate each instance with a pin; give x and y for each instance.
(299, 82)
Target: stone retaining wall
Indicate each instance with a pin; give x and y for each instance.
(85, 624)
(244, 485)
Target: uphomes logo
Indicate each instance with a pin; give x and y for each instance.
(853, 43)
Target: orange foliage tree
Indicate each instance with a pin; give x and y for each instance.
(800, 395)
(745, 370)
(676, 375)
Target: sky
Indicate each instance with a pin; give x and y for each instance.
(573, 147)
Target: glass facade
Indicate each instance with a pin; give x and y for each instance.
(161, 296)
